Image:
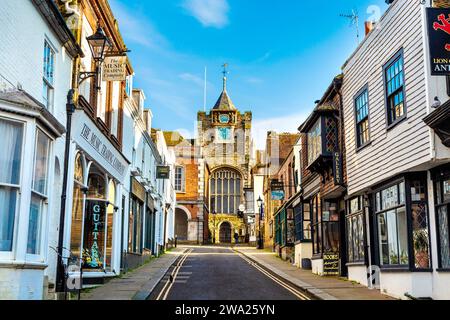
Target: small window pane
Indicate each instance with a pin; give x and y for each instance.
(8, 201)
(34, 225)
(11, 151)
(41, 163)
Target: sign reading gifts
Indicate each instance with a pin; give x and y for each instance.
(439, 40)
(115, 68)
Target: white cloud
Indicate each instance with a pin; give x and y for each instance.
(210, 13)
(137, 29)
(192, 78)
(289, 123)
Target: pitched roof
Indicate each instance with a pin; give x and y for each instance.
(224, 102)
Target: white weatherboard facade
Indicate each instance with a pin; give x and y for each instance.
(27, 256)
(395, 151)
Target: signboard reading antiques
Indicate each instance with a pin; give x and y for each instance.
(163, 172)
(115, 68)
(439, 40)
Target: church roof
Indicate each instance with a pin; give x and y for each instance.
(224, 102)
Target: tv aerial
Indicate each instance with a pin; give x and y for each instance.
(354, 21)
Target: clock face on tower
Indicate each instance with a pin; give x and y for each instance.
(224, 118)
(224, 134)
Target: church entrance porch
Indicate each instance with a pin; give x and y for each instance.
(225, 233)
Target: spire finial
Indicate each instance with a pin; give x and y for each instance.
(225, 72)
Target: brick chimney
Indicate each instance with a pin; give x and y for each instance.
(369, 26)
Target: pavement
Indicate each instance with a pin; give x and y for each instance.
(324, 288)
(137, 284)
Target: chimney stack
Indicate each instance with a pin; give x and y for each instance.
(369, 26)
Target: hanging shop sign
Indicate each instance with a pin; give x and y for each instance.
(94, 234)
(277, 190)
(163, 172)
(439, 40)
(115, 68)
(331, 264)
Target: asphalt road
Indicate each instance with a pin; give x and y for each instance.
(213, 273)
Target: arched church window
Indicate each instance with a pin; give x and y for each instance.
(226, 190)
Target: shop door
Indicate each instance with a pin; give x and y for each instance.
(225, 233)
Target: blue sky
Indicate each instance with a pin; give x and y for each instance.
(282, 55)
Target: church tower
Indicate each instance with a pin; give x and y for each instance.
(224, 135)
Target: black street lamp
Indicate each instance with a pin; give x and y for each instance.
(99, 44)
(260, 239)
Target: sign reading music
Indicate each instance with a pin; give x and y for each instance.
(115, 68)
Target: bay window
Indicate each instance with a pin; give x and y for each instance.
(10, 168)
(314, 142)
(39, 192)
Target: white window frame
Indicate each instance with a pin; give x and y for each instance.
(40, 257)
(49, 84)
(182, 188)
(10, 255)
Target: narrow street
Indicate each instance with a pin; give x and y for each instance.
(219, 273)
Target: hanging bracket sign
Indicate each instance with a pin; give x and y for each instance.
(115, 68)
(163, 172)
(439, 40)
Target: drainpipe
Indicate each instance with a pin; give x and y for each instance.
(60, 273)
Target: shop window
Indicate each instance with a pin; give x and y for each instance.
(48, 79)
(135, 226)
(316, 212)
(420, 228)
(394, 88)
(362, 118)
(10, 164)
(330, 226)
(77, 207)
(94, 230)
(392, 225)
(443, 221)
(39, 192)
(110, 224)
(302, 222)
(355, 230)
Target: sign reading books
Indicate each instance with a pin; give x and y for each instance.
(331, 264)
(115, 68)
(163, 172)
(94, 234)
(277, 190)
(439, 40)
